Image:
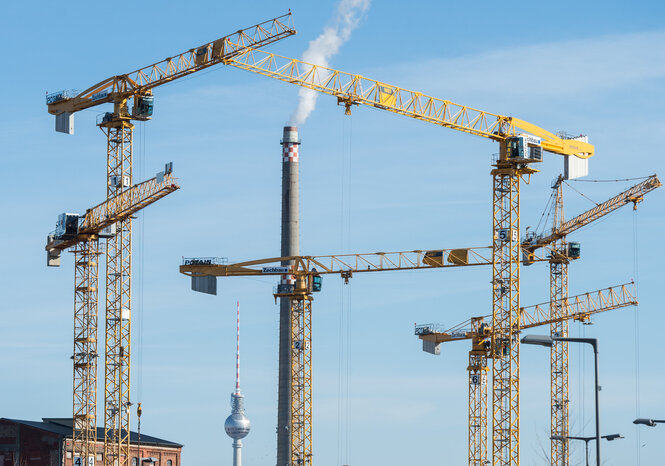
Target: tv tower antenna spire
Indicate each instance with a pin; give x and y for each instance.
(237, 424)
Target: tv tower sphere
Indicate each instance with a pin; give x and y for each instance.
(237, 425)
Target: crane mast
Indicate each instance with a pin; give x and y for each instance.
(506, 255)
(559, 400)
(86, 277)
(300, 420)
(119, 170)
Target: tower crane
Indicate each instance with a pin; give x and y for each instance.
(520, 144)
(559, 257)
(82, 233)
(306, 272)
(558, 265)
(479, 331)
(136, 88)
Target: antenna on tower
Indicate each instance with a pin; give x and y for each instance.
(238, 347)
(237, 425)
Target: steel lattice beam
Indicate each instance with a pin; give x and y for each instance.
(86, 267)
(301, 379)
(559, 396)
(505, 315)
(118, 300)
(478, 398)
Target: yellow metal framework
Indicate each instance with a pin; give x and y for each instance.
(634, 195)
(479, 331)
(306, 267)
(118, 129)
(505, 312)
(477, 370)
(301, 373)
(140, 82)
(86, 260)
(559, 397)
(579, 307)
(119, 133)
(348, 264)
(351, 89)
(86, 274)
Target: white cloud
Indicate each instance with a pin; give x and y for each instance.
(564, 67)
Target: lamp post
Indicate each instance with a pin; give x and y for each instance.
(545, 340)
(648, 422)
(586, 441)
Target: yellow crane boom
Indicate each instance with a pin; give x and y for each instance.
(348, 264)
(118, 208)
(353, 89)
(633, 194)
(141, 81)
(579, 307)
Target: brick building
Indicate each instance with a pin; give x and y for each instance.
(49, 443)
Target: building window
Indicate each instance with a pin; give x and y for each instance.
(169, 463)
(99, 456)
(68, 454)
(135, 461)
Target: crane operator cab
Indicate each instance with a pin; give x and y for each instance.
(143, 106)
(524, 149)
(317, 283)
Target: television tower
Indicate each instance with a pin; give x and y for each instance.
(237, 424)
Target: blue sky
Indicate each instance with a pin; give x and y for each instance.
(370, 182)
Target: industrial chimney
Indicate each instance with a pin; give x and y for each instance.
(290, 232)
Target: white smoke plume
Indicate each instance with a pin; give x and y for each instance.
(320, 50)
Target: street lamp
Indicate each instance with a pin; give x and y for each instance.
(648, 422)
(544, 340)
(586, 441)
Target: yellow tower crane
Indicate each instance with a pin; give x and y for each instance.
(479, 331)
(119, 90)
(559, 256)
(307, 271)
(82, 233)
(559, 398)
(520, 144)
